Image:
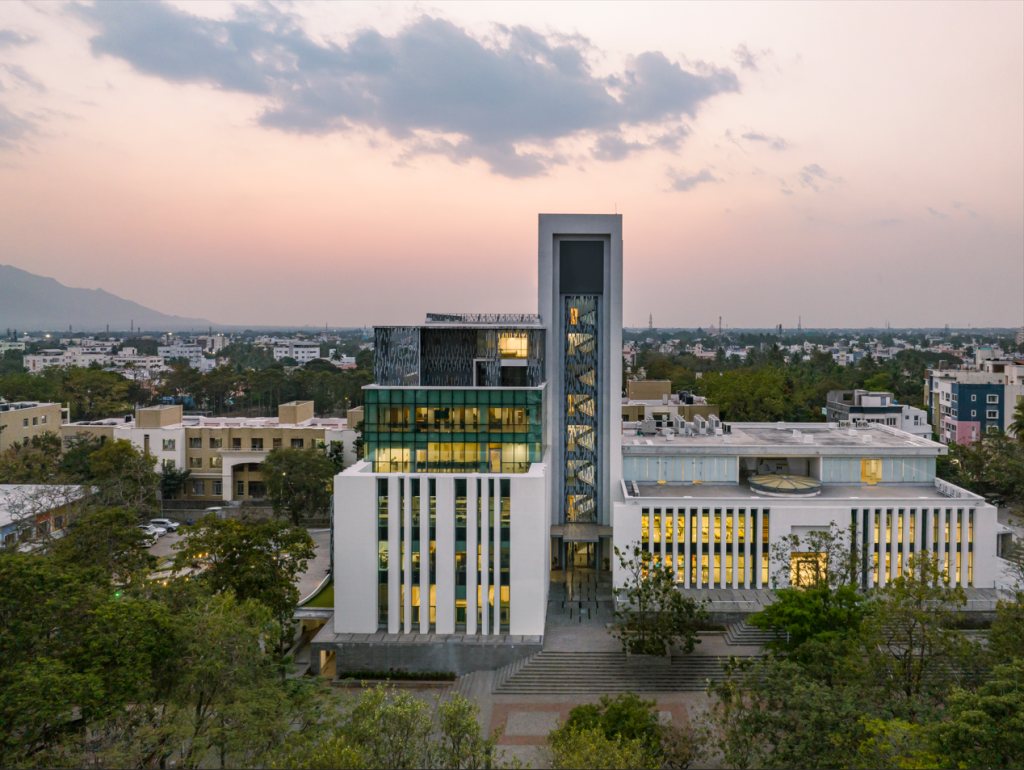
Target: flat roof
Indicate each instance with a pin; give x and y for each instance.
(778, 439)
(830, 492)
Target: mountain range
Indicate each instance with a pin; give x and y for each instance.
(34, 302)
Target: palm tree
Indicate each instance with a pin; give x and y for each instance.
(1017, 425)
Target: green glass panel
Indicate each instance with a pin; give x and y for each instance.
(446, 398)
(433, 397)
(409, 397)
(459, 397)
(370, 396)
(421, 397)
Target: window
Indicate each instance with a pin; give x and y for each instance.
(199, 488)
(216, 462)
(218, 488)
(216, 443)
(24, 423)
(236, 443)
(256, 444)
(168, 444)
(992, 398)
(195, 442)
(296, 443)
(35, 420)
(257, 489)
(195, 462)
(277, 443)
(974, 397)
(953, 412)
(320, 443)
(871, 471)
(993, 428)
(974, 413)
(992, 414)
(43, 419)
(168, 465)
(240, 487)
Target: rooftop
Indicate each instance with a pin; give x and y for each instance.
(788, 439)
(829, 492)
(484, 319)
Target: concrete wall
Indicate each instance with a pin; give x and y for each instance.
(158, 416)
(355, 552)
(454, 654)
(642, 390)
(45, 418)
(530, 549)
(295, 412)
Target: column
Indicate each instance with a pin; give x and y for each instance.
(445, 555)
(720, 577)
(943, 515)
(735, 547)
(929, 532)
(407, 557)
(871, 548)
(687, 523)
(907, 517)
(497, 558)
(952, 547)
(700, 546)
(964, 552)
(472, 560)
(394, 555)
(758, 530)
(424, 555)
(485, 557)
(883, 576)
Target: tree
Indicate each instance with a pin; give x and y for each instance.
(653, 614)
(821, 558)
(126, 477)
(336, 454)
(986, 728)
(172, 481)
(593, 749)
(805, 614)
(107, 540)
(358, 444)
(298, 482)
(1017, 424)
(254, 560)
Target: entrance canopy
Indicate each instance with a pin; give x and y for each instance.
(580, 533)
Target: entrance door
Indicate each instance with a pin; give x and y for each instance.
(581, 555)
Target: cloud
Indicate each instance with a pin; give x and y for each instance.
(682, 182)
(20, 73)
(937, 214)
(775, 142)
(812, 175)
(10, 38)
(748, 59)
(13, 129)
(431, 85)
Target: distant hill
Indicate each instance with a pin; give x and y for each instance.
(30, 301)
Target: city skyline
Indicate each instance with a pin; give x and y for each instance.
(264, 165)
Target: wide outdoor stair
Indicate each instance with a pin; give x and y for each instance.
(749, 636)
(580, 597)
(472, 686)
(595, 673)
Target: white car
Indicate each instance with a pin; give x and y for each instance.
(170, 526)
(153, 532)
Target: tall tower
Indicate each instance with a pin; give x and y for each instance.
(580, 304)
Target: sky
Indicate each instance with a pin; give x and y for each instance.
(844, 164)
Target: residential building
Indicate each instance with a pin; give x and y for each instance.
(303, 351)
(44, 359)
(967, 404)
(190, 352)
(21, 421)
(876, 406)
(1018, 336)
(222, 454)
(6, 345)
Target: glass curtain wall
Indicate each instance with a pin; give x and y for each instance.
(452, 431)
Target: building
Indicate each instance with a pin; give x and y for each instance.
(302, 351)
(1018, 336)
(711, 506)
(650, 406)
(844, 406)
(496, 458)
(222, 454)
(967, 404)
(21, 421)
(31, 511)
(44, 359)
(190, 352)
(6, 345)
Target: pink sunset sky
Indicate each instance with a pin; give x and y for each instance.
(362, 163)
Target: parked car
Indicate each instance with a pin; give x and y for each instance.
(170, 526)
(152, 531)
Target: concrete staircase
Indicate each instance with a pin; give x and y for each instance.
(748, 636)
(473, 686)
(596, 673)
(581, 598)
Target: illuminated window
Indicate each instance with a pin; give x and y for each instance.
(807, 569)
(871, 471)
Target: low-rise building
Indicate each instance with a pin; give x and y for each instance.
(301, 350)
(21, 421)
(31, 511)
(967, 404)
(222, 454)
(652, 402)
(190, 352)
(876, 406)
